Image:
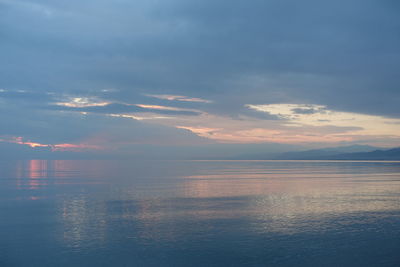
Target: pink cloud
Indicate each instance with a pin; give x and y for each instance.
(54, 147)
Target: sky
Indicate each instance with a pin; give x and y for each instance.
(144, 77)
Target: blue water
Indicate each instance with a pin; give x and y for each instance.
(199, 213)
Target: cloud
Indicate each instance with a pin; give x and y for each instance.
(82, 102)
(54, 147)
(60, 127)
(305, 110)
(321, 116)
(180, 98)
(199, 64)
(265, 51)
(115, 108)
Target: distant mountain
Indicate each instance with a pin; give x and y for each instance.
(390, 154)
(325, 152)
(314, 154)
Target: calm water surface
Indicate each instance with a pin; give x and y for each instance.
(199, 213)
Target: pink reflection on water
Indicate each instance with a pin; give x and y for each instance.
(37, 173)
(31, 174)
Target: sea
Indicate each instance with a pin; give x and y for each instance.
(199, 213)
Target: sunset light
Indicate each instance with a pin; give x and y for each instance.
(197, 133)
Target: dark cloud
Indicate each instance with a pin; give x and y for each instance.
(341, 54)
(122, 108)
(39, 123)
(310, 51)
(305, 110)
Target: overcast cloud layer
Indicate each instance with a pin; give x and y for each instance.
(185, 72)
